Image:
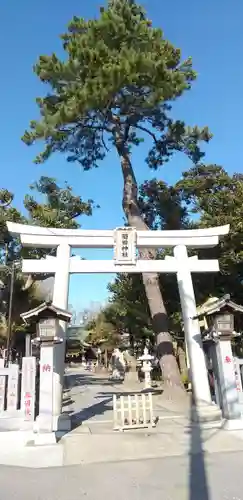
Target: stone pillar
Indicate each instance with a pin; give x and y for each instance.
(197, 363)
(28, 384)
(13, 388)
(60, 299)
(45, 422)
(227, 381)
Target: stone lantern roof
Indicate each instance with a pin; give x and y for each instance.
(46, 310)
(214, 305)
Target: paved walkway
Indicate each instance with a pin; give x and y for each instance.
(94, 441)
(178, 461)
(218, 477)
(89, 398)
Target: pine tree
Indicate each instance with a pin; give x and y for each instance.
(116, 84)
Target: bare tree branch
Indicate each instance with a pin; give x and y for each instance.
(144, 129)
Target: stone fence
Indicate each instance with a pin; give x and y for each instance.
(18, 395)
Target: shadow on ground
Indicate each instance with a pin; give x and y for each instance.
(198, 481)
(94, 410)
(86, 379)
(67, 402)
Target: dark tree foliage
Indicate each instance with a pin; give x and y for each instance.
(59, 207)
(206, 196)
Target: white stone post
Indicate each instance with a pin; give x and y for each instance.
(45, 420)
(237, 366)
(28, 387)
(197, 363)
(13, 387)
(60, 299)
(228, 387)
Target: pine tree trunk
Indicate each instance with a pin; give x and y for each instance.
(168, 363)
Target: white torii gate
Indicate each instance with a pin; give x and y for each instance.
(125, 242)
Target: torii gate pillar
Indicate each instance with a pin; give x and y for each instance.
(60, 299)
(201, 391)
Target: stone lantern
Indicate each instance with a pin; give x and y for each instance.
(146, 359)
(48, 330)
(217, 321)
(223, 322)
(46, 318)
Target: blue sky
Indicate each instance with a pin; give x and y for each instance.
(209, 31)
